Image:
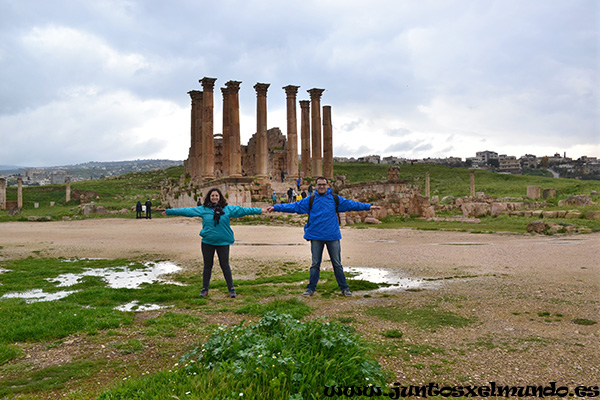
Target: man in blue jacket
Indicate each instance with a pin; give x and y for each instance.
(322, 229)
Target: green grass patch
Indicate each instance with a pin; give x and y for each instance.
(294, 307)
(50, 378)
(276, 358)
(584, 321)
(392, 334)
(166, 324)
(129, 347)
(9, 352)
(427, 317)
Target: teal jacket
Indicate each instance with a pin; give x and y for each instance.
(220, 235)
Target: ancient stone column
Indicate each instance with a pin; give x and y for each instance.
(19, 192)
(327, 143)
(472, 183)
(427, 187)
(261, 129)
(235, 159)
(226, 132)
(195, 156)
(292, 131)
(68, 190)
(305, 138)
(315, 114)
(2, 193)
(208, 148)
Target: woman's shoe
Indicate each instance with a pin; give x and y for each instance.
(204, 293)
(232, 293)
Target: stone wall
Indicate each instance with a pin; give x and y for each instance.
(395, 198)
(276, 145)
(238, 191)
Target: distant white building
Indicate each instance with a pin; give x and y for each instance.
(486, 155)
(373, 159)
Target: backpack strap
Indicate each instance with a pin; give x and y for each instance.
(311, 200)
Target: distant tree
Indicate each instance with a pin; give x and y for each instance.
(544, 162)
(494, 162)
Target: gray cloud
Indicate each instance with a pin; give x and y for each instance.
(519, 77)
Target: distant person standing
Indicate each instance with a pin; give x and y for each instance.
(216, 233)
(138, 210)
(148, 209)
(310, 189)
(282, 176)
(298, 182)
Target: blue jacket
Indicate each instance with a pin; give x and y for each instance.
(323, 222)
(220, 235)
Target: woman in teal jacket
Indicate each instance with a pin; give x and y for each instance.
(216, 233)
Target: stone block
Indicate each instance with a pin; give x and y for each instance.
(549, 193)
(592, 215)
(536, 227)
(475, 209)
(537, 214)
(573, 214)
(550, 214)
(561, 213)
(498, 208)
(372, 220)
(534, 192)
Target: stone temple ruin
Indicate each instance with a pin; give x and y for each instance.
(248, 172)
(252, 172)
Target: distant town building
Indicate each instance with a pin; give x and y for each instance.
(509, 164)
(486, 155)
(373, 159)
(528, 161)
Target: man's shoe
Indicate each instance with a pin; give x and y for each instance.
(346, 292)
(204, 293)
(308, 292)
(232, 293)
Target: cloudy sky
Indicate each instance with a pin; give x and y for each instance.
(107, 80)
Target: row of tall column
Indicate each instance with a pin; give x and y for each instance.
(201, 160)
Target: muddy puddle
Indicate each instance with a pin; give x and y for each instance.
(391, 277)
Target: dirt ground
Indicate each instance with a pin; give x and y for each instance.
(524, 292)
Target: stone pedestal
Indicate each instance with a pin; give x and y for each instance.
(534, 192)
(427, 185)
(68, 191)
(261, 129)
(305, 138)
(327, 143)
(235, 159)
(208, 151)
(20, 193)
(2, 193)
(315, 111)
(292, 131)
(472, 183)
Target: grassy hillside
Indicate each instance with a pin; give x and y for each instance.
(446, 181)
(116, 193)
(113, 193)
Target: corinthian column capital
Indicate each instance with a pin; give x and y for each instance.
(261, 88)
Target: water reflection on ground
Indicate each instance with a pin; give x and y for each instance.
(115, 277)
(123, 277)
(389, 276)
